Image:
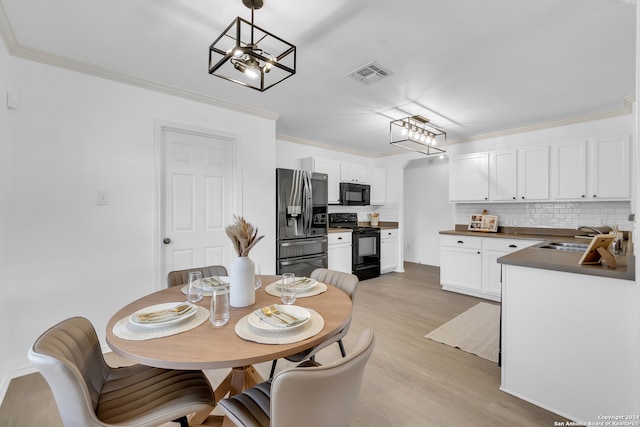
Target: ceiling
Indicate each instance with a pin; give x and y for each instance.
(473, 67)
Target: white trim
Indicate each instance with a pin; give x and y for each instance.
(6, 31)
(158, 152)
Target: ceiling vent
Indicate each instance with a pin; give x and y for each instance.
(370, 73)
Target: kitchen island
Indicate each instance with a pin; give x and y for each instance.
(569, 339)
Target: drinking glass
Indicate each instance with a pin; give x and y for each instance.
(258, 278)
(219, 311)
(288, 289)
(194, 291)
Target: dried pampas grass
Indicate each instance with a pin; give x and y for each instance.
(243, 235)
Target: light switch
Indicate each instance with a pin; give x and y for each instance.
(13, 100)
(103, 198)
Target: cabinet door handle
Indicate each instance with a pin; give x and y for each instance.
(460, 242)
(339, 238)
(478, 252)
(513, 246)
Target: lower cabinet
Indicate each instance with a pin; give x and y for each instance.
(340, 252)
(388, 250)
(468, 265)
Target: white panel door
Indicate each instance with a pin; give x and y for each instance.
(197, 200)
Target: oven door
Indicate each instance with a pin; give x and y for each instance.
(366, 254)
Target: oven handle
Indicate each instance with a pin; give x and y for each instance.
(304, 258)
(306, 242)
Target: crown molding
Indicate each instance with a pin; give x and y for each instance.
(16, 50)
(627, 108)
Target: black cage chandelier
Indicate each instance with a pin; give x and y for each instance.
(250, 56)
(417, 134)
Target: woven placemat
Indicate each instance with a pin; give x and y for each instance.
(272, 289)
(281, 336)
(128, 331)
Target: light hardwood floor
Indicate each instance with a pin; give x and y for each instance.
(409, 381)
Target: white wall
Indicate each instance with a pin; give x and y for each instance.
(427, 209)
(75, 134)
(4, 207)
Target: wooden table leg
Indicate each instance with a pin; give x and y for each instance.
(237, 381)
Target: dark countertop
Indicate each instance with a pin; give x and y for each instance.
(382, 225)
(550, 259)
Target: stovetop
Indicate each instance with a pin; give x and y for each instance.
(348, 220)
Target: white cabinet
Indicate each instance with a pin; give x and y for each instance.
(610, 168)
(388, 250)
(598, 169)
(378, 183)
(533, 173)
(520, 175)
(569, 170)
(468, 265)
(461, 264)
(340, 251)
(469, 178)
(332, 169)
(492, 249)
(504, 175)
(351, 172)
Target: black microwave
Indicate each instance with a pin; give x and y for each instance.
(354, 194)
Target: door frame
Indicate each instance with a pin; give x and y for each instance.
(159, 282)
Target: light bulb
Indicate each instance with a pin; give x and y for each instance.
(404, 131)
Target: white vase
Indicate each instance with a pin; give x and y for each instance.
(242, 291)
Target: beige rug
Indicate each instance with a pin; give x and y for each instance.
(475, 331)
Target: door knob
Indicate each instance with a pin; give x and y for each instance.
(166, 241)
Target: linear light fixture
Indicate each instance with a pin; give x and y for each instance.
(417, 134)
(250, 56)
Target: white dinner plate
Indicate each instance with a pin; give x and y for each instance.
(164, 321)
(302, 287)
(294, 310)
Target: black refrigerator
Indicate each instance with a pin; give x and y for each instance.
(302, 222)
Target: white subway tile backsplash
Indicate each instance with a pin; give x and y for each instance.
(551, 214)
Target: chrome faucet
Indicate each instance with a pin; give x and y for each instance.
(595, 230)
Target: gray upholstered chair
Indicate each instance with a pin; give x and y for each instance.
(347, 283)
(89, 393)
(305, 396)
(181, 277)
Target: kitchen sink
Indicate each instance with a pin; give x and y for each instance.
(567, 247)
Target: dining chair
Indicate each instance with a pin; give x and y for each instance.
(323, 395)
(181, 277)
(90, 393)
(347, 283)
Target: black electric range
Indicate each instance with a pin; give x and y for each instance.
(365, 246)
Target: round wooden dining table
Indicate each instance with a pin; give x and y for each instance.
(209, 347)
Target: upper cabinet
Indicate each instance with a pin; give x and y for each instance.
(569, 170)
(351, 172)
(609, 170)
(338, 172)
(597, 169)
(504, 176)
(378, 182)
(533, 173)
(332, 169)
(520, 175)
(469, 178)
(588, 169)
